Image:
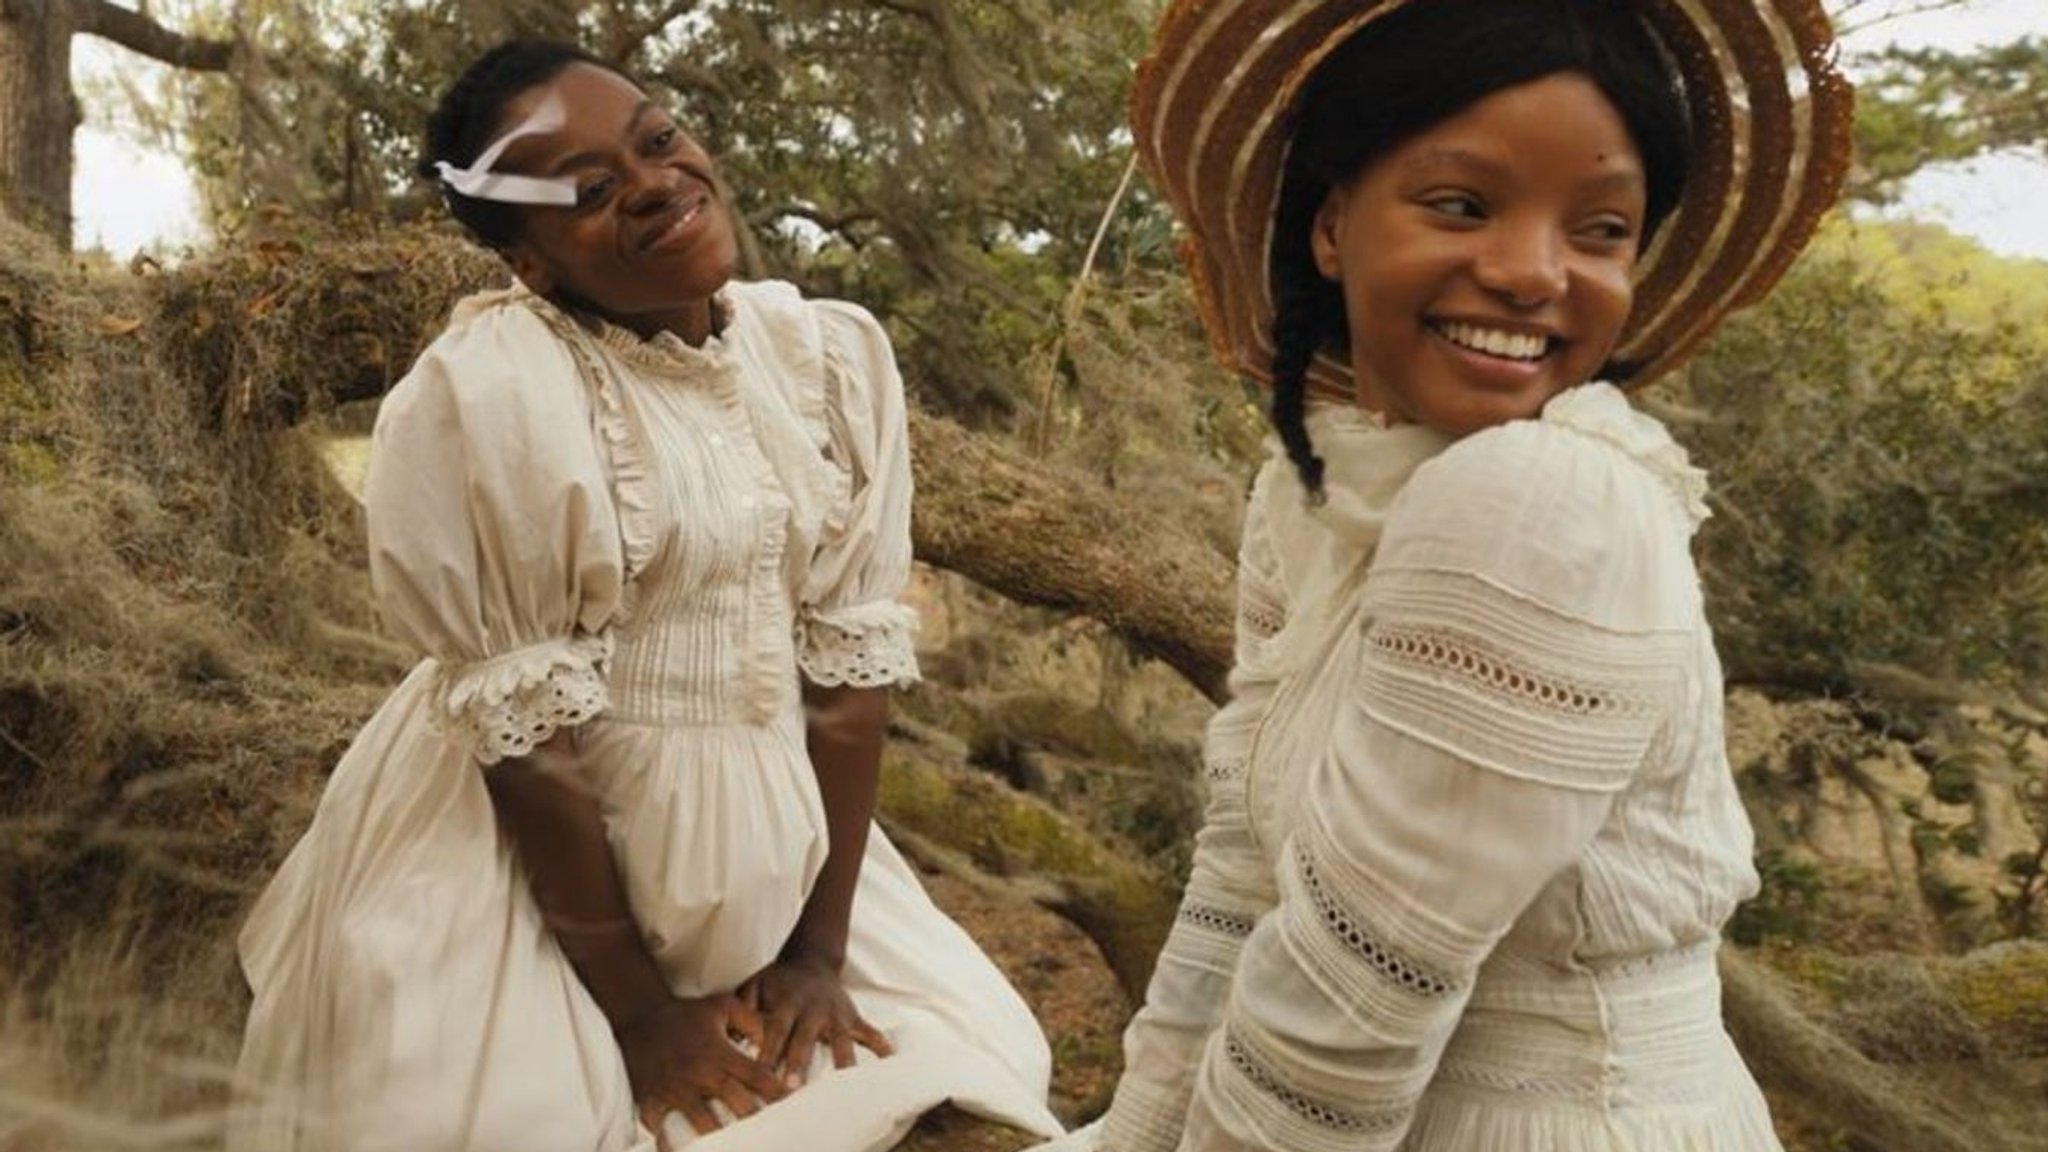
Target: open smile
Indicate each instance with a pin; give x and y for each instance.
(1511, 345)
(679, 225)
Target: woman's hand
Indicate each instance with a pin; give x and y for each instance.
(803, 1004)
(682, 1056)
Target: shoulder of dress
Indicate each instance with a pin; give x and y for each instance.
(1602, 413)
(1589, 455)
(495, 352)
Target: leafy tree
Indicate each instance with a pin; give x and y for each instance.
(946, 161)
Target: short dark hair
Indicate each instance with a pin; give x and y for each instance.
(1412, 69)
(468, 118)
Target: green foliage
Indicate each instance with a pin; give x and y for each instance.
(1789, 904)
(1917, 107)
(945, 162)
(1878, 434)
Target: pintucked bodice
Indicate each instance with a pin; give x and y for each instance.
(709, 635)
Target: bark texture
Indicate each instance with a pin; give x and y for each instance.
(37, 113)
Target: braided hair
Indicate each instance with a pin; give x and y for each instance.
(1408, 71)
(469, 117)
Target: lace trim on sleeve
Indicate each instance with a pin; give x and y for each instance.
(1294, 1116)
(508, 705)
(1393, 967)
(865, 646)
(1508, 684)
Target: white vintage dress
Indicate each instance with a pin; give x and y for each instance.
(650, 541)
(1472, 832)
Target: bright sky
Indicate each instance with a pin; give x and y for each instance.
(127, 197)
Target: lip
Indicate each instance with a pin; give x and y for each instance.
(680, 225)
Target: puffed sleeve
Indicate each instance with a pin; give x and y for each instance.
(853, 628)
(494, 543)
(1526, 616)
(1229, 886)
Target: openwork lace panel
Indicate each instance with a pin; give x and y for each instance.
(1508, 684)
(1393, 968)
(1295, 1115)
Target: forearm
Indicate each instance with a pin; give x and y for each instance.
(555, 825)
(844, 739)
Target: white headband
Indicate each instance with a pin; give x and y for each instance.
(480, 183)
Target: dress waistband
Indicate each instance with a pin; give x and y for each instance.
(1640, 1032)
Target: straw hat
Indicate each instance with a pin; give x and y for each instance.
(1213, 107)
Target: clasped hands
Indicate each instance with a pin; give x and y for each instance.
(686, 1055)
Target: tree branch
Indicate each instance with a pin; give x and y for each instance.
(138, 33)
(627, 40)
(1016, 525)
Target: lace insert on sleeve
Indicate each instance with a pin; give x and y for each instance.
(1303, 1118)
(1506, 683)
(508, 705)
(865, 646)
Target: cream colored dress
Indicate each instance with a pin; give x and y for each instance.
(1472, 832)
(648, 541)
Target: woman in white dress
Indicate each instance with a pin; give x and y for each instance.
(600, 873)
(1472, 834)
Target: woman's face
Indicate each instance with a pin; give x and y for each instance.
(649, 239)
(1487, 263)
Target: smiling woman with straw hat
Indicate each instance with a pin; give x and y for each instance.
(1472, 833)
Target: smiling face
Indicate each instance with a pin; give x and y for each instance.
(1486, 263)
(649, 240)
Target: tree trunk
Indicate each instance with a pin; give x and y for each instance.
(37, 114)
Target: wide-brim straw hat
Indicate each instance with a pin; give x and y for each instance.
(1213, 112)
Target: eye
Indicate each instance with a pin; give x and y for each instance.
(665, 139)
(593, 192)
(1456, 205)
(1609, 231)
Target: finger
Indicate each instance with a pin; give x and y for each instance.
(757, 1077)
(872, 1039)
(842, 1048)
(745, 1021)
(775, 1031)
(803, 1046)
(651, 1116)
(700, 1116)
(740, 1102)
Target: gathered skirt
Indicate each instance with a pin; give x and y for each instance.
(408, 995)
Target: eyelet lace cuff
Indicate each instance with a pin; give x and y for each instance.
(506, 706)
(864, 646)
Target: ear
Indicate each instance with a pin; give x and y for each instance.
(529, 267)
(1323, 235)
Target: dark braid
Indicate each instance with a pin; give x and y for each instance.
(1308, 314)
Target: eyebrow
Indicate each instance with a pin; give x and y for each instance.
(593, 155)
(1436, 159)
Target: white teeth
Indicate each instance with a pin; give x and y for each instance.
(1494, 342)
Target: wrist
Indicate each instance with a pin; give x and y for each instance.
(824, 953)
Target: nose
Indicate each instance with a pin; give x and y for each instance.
(1523, 262)
(651, 186)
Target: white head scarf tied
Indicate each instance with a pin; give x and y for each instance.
(478, 181)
